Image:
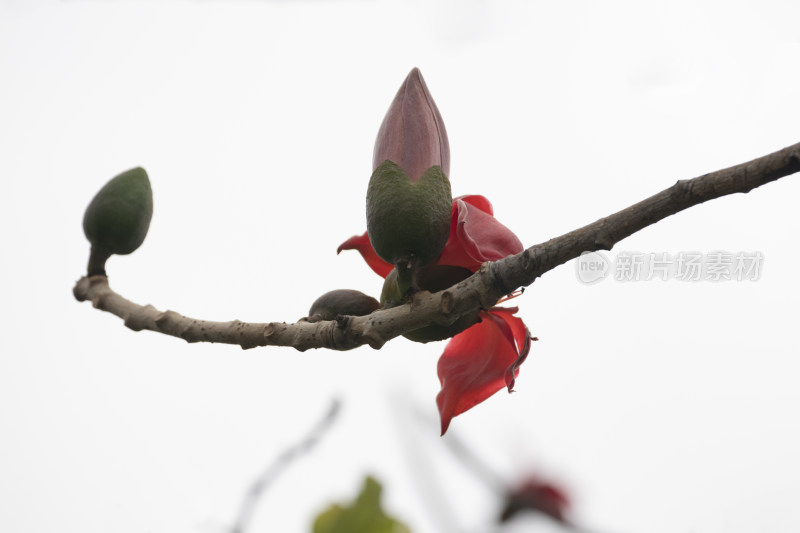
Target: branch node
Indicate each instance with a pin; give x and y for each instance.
(297, 344)
(249, 345)
(602, 242)
(186, 331)
(495, 271)
(138, 321)
(684, 190)
(375, 342)
(97, 301)
(447, 303)
(80, 289)
(164, 319)
(342, 321)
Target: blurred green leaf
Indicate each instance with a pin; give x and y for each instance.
(362, 516)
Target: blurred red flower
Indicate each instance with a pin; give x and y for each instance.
(537, 495)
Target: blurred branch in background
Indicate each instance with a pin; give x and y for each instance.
(532, 493)
(271, 473)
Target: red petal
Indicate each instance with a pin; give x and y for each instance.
(475, 362)
(481, 202)
(362, 244)
(476, 236)
(517, 334)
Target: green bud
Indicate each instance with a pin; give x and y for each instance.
(408, 222)
(341, 302)
(118, 217)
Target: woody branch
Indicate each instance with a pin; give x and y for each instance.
(481, 290)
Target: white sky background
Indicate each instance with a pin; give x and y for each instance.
(664, 406)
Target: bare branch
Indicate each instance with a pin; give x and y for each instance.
(522, 269)
(269, 475)
(481, 290)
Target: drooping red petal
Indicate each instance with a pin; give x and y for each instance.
(515, 333)
(362, 244)
(475, 362)
(476, 236)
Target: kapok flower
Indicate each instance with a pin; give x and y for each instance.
(484, 358)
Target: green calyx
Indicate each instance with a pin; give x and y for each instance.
(342, 302)
(433, 278)
(118, 217)
(408, 222)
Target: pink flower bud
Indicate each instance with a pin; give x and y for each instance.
(412, 134)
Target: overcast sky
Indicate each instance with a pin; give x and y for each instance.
(664, 405)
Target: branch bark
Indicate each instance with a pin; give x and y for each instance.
(481, 290)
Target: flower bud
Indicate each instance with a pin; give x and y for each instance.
(118, 217)
(408, 198)
(412, 134)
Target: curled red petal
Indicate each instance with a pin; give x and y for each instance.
(362, 244)
(517, 334)
(475, 362)
(481, 202)
(476, 236)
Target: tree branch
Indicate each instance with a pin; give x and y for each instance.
(522, 269)
(481, 290)
(269, 475)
